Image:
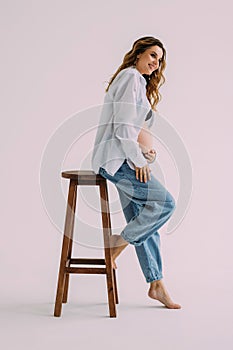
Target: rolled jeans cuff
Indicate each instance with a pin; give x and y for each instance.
(130, 242)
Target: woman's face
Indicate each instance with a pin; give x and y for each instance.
(149, 60)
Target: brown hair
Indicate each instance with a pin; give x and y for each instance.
(156, 79)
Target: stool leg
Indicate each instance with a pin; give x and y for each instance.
(107, 232)
(115, 287)
(114, 272)
(65, 247)
(67, 275)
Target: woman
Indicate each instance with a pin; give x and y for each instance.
(122, 154)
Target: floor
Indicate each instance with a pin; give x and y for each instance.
(204, 322)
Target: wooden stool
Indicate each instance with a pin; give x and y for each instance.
(87, 178)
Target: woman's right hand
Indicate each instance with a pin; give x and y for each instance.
(143, 174)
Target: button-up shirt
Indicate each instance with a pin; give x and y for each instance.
(122, 116)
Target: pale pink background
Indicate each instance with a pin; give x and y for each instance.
(55, 57)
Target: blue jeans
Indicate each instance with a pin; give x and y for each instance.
(146, 206)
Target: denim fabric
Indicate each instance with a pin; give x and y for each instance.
(146, 206)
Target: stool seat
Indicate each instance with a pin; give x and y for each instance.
(78, 178)
(83, 176)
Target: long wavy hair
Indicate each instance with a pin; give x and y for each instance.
(156, 78)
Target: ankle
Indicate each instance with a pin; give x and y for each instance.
(121, 242)
(156, 283)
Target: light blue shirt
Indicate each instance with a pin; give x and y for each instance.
(122, 116)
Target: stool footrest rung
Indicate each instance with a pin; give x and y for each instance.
(89, 261)
(86, 270)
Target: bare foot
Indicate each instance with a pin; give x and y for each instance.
(117, 244)
(158, 291)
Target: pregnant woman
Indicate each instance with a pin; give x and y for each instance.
(123, 150)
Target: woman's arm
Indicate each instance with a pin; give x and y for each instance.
(128, 118)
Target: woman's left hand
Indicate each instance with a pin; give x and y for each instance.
(150, 155)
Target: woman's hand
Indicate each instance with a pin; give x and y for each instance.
(143, 173)
(150, 155)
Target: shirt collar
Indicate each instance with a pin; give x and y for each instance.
(143, 79)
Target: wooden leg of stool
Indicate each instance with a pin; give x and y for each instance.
(114, 272)
(65, 247)
(115, 287)
(67, 276)
(107, 233)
